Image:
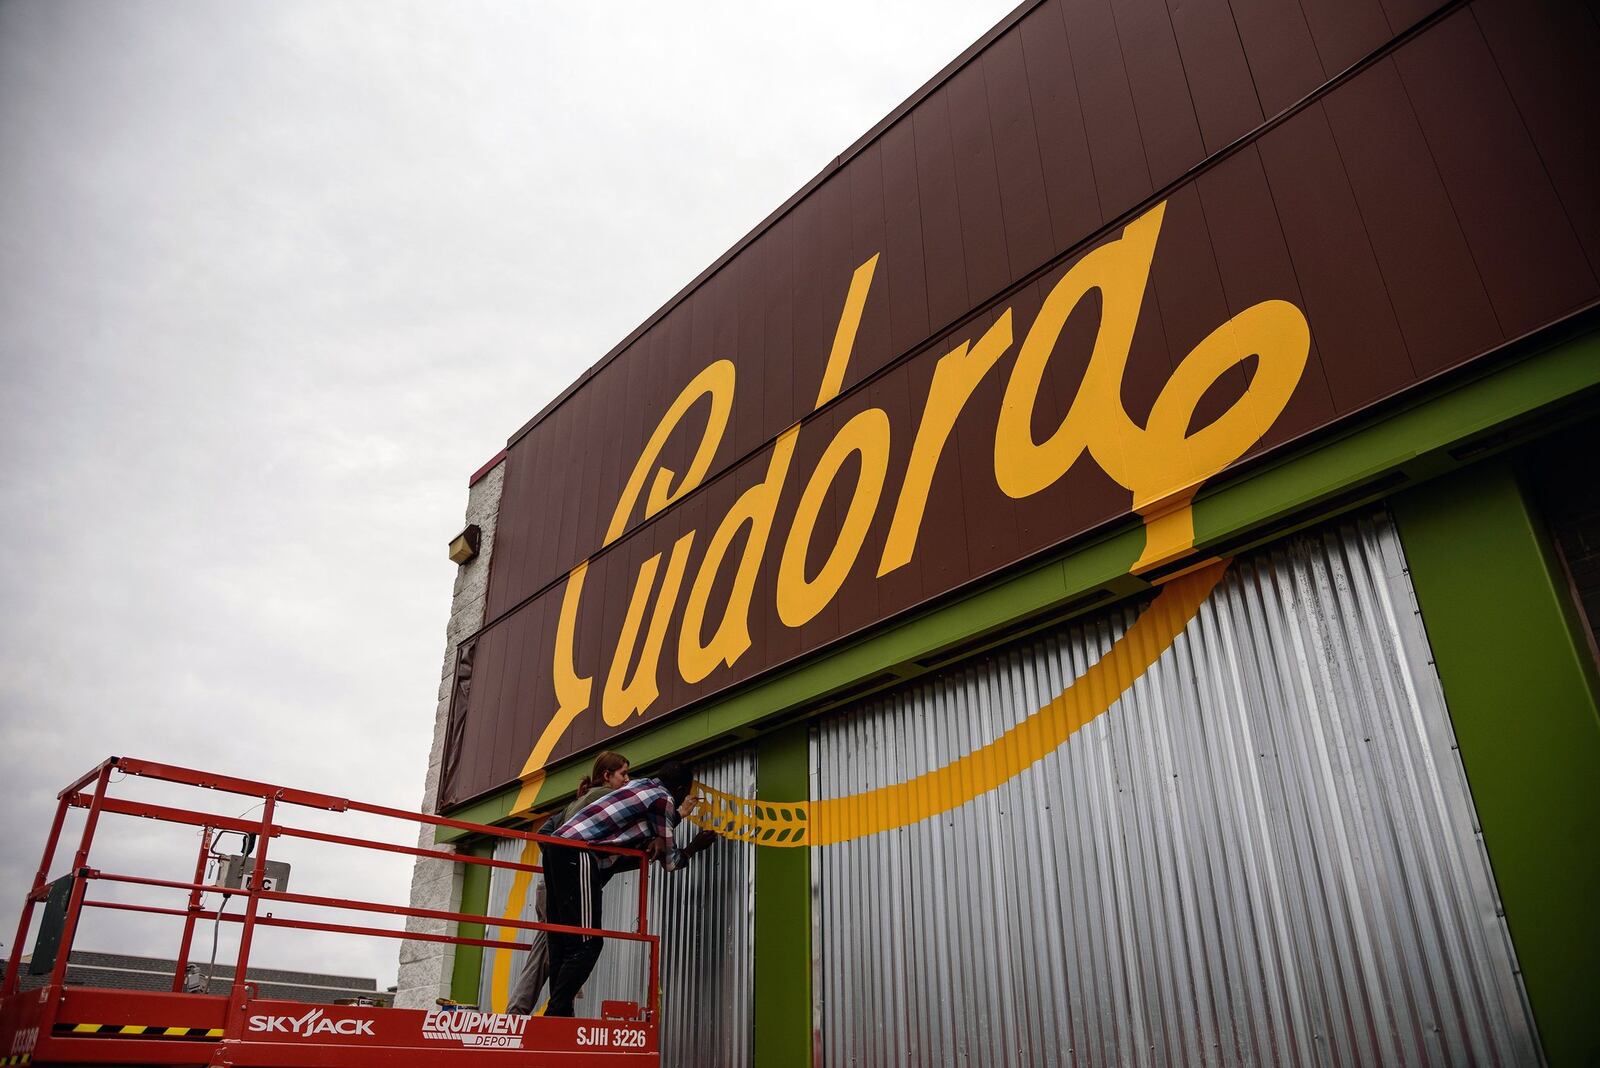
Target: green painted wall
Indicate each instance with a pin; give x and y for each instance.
(1518, 681)
(783, 912)
(475, 900)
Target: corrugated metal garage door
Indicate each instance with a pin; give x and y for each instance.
(1264, 853)
(704, 915)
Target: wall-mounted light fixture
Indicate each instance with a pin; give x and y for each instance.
(464, 546)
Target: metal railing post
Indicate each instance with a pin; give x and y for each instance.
(644, 896)
(644, 928)
(253, 896)
(80, 864)
(195, 898)
(9, 987)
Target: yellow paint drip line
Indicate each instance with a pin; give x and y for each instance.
(841, 819)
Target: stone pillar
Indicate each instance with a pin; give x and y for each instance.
(425, 967)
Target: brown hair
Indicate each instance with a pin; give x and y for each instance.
(604, 764)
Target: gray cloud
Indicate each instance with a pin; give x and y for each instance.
(274, 279)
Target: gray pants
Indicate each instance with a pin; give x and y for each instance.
(535, 966)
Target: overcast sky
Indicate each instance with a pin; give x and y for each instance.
(275, 278)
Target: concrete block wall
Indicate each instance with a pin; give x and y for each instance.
(425, 967)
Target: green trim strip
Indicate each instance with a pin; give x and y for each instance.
(783, 911)
(1518, 681)
(1328, 475)
(474, 899)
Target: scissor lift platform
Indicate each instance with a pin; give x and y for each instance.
(62, 1024)
(85, 1025)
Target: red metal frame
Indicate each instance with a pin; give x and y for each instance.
(57, 1024)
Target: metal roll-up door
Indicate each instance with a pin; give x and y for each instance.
(705, 917)
(1263, 853)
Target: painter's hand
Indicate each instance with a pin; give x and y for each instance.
(699, 843)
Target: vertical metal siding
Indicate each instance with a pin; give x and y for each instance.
(500, 880)
(1264, 853)
(705, 917)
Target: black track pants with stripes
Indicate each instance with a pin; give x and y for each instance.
(574, 900)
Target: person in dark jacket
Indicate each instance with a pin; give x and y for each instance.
(640, 815)
(610, 771)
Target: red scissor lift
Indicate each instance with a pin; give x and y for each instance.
(59, 1024)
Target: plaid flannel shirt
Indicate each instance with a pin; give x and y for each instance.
(630, 816)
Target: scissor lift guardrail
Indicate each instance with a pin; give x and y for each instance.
(58, 1024)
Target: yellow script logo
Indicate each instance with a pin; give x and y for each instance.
(1161, 463)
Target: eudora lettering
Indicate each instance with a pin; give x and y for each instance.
(1162, 464)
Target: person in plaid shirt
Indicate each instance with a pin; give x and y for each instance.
(640, 815)
(611, 772)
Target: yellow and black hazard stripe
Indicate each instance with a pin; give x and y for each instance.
(17, 1058)
(137, 1030)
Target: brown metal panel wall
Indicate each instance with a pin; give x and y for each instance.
(1334, 262)
(1432, 280)
(1253, 262)
(902, 396)
(990, 527)
(942, 550)
(538, 554)
(1345, 30)
(718, 501)
(1548, 52)
(1189, 288)
(529, 633)
(1152, 92)
(815, 278)
(1149, 365)
(1059, 123)
(568, 486)
(1219, 80)
(1284, 64)
(1430, 207)
(641, 381)
(944, 257)
(1024, 205)
(1033, 518)
(749, 401)
(1404, 13)
(674, 362)
(1161, 90)
(1121, 173)
(1138, 99)
(983, 228)
(903, 250)
(464, 740)
(610, 422)
(516, 527)
(777, 252)
(1529, 256)
(869, 237)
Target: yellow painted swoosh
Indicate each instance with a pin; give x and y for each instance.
(500, 977)
(841, 819)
